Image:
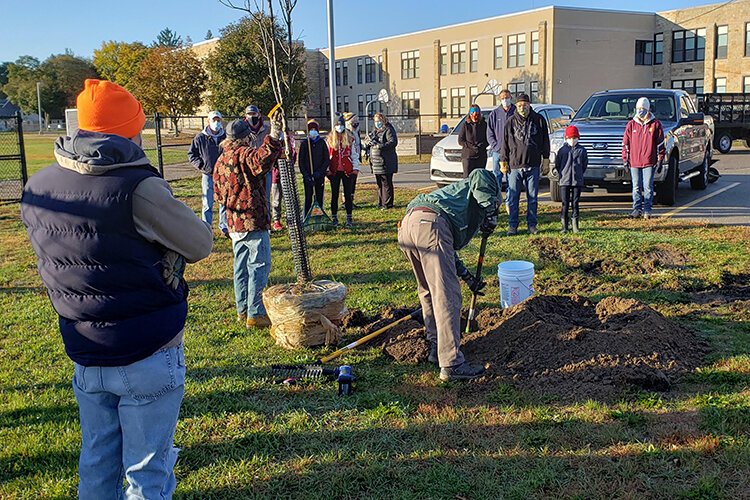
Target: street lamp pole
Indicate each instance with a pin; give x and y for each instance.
(331, 64)
(39, 104)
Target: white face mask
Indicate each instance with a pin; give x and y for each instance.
(215, 126)
(572, 142)
(339, 128)
(506, 102)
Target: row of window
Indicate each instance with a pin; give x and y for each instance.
(696, 86)
(453, 102)
(368, 71)
(342, 104)
(455, 55)
(687, 46)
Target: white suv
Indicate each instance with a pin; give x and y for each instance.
(445, 164)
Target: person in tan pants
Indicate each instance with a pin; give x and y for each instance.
(435, 226)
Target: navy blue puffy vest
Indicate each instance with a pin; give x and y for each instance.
(103, 278)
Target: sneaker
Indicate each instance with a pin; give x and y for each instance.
(258, 322)
(646, 215)
(276, 226)
(512, 231)
(348, 224)
(635, 214)
(464, 371)
(242, 318)
(533, 230)
(335, 220)
(433, 356)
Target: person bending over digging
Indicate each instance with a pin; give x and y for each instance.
(435, 226)
(240, 185)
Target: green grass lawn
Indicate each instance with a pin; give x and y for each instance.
(404, 434)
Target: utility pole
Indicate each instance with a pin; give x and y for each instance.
(331, 64)
(39, 104)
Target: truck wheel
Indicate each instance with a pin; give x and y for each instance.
(554, 190)
(723, 143)
(701, 181)
(666, 191)
(747, 143)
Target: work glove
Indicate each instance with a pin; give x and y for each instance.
(489, 224)
(545, 166)
(276, 126)
(626, 164)
(660, 164)
(554, 173)
(173, 267)
(504, 168)
(475, 284)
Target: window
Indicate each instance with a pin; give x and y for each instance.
(684, 107)
(325, 72)
(722, 40)
(517, 50)
(473, 93)
(688, 45)
(499, 53)
(444, 60)
(369, 98)
(346, 103)
(656, 84)
(747, 39)
(410, 103)
(458, 101)
(370, 70)
(556, 118)
(410, 65)
(444, 102)
(534, 47)
(328, 107)
(338, 105)
(721, 86)
(473, 57)
(658, 48)
(458, 58)
(345, 72)
(338, 73)
(689, 86)
(644, 52)
(360, 70)
(360, 105)
(517, 88)
(380, 68)
(746, 84)
(534, 92)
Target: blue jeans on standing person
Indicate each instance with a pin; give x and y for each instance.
(643, 181)
(498, 174)
(520, 178)
(252, 265)
(207, 188)
(128, 416)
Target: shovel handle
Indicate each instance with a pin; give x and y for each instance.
(480, 263)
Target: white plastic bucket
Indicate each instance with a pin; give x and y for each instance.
(516, 279)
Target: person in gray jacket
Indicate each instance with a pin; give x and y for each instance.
(382, 144)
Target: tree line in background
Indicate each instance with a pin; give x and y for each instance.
(164, 77)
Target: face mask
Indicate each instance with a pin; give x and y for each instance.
(641, 112)
(313, 134)
(378, 124)
(215, 126)
(254, 120)
(523, 110)
(339, 128)
(506, 102)
(572, 142)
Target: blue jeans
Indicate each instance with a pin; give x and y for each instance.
(128, 416)
(252, 265)
(498, 174)
(519, 178)
(643, 180)
(207, 189)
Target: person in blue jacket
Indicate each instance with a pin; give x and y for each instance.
(570, 164)
(495, 130)
(203, 153)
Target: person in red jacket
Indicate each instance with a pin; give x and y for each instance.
(642, 150)
(341, 169)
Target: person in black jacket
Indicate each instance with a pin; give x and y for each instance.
(313, 172)
(203, 153)
(382, 144)
(524, 153)
(570, 164)
(473, 141)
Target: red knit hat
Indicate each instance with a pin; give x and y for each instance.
(571, 131)
(110, 109)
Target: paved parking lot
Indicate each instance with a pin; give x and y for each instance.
(726, 201)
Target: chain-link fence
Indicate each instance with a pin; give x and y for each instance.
(13, 173)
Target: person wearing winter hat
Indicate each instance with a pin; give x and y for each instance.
(111, 244)
(352, 125)
(203, 153)
(473, 141)
(314, 160)
(642, 150)
(341, 169)
(259, 129)
(570, 164)
(239, 183)
(524, 156)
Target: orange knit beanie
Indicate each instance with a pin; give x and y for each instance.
(106, 107)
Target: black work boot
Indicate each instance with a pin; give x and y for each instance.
(575, 225)
(335, 220)
(464, 371)
(433, 356)
(564, 222)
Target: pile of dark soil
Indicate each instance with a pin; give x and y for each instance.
(572, 349)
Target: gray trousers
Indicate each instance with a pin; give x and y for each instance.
(276, 201)
(427, 241)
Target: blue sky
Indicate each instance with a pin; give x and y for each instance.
(43, 27)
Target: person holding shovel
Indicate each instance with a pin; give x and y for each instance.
(435, 227)
(313, 165)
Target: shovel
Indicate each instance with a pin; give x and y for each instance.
(470, 323)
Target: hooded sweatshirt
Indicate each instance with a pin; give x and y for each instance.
(473, 138)
(643, 142)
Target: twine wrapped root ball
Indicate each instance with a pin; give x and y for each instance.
(306, 315)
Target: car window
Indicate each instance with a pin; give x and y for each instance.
(556, 119)
(684, 107)
(457, 128)
(622, 107)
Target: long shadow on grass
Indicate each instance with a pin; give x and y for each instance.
(15, 465)
(35, 415)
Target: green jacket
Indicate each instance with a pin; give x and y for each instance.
(465, 204)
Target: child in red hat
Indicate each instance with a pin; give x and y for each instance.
(570, 164)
